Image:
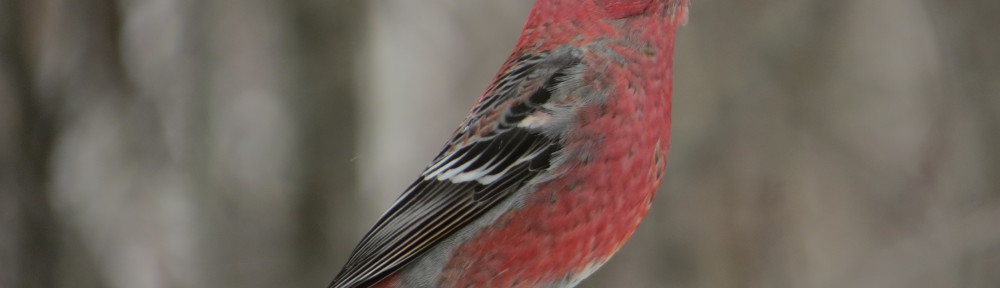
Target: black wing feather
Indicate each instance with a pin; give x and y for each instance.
(466, 179)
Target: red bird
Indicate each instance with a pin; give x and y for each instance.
(554, 167)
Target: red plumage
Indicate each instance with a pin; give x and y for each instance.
(554, 168)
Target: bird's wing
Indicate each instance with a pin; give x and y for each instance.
(492, 155)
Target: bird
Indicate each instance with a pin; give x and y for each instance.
(554, 167)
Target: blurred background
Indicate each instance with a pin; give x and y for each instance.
(210, 143)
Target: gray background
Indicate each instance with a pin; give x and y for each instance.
(212, 143)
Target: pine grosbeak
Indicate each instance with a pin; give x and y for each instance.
(554, 167)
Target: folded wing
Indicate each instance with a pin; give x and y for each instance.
(490, 157)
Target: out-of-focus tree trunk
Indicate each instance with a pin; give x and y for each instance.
(966, 29)
(329, 47)
(28, 247)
